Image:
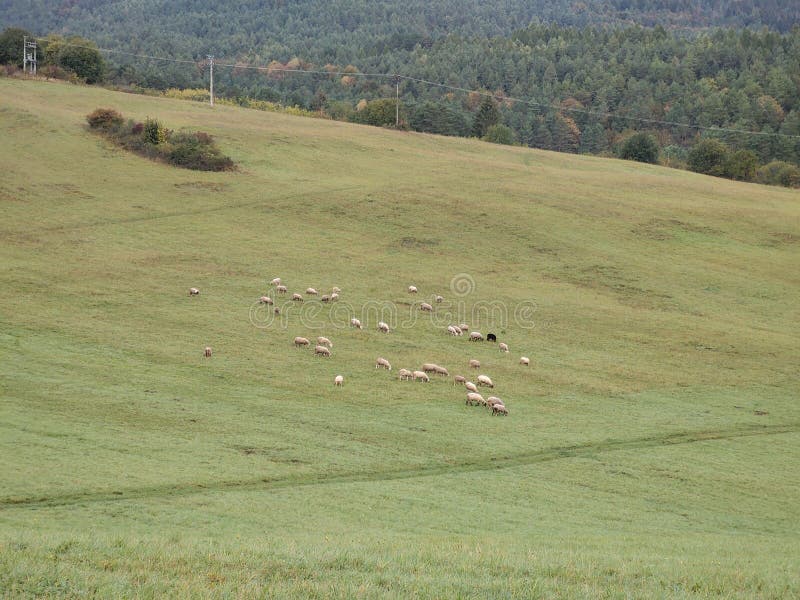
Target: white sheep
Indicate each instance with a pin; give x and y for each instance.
(322, 351)
(453, 330)
(524, 360)
(311, 292)
(442, 371)
(194, 292)
(405, 374)
(499, 409)
(474, 364)
(492, 400)
(338, 380)
(355, 323)
(382, 363)
(383, 327)
(412, 289)
(459, 379)
(276, 281)
(471, 386)
(297, 298)
(439, 299)
(323, 341)
(325, 298)
(475, 398)
(421, 376)
(334, 296)
(463, 327)
(503, 347)
(282, 289)
(484, 380)
(429, 367)
(336, 290)
(475, 336)
(301, 341)
(265, 300)
(207, 351)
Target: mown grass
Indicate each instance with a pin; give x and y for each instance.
(650, 450)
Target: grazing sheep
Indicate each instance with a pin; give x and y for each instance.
(503, 347)
(442, 371)
(207, 351)
(474, 364)
(265, 300)
(463, 327)
(325, 298)
(334, 296)
(484, 380)
(194, 292)
(276, 281)
(492, 400)
(429, 367)
(425, 307)
(471, 386)
(383, 364)
(412, 289)
(524, 360)
(282, 289)
(459, 379)
(355, 323)
(336, 290)
(422, 376)
(297, 298)
(323, 341)
(475, 399)
(405, 374)
(383, 327)
(476, 336)
(322, 351)
(277, 310)
(499, 409)
(301, 341)
(338, 380)
(453, 330)
(311, 292)
(439, 299)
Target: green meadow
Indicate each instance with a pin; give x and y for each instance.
(652, 448)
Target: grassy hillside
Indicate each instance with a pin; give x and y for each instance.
(651, 449)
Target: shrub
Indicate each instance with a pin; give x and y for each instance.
(779, 172)
(196, 151)
(153, 132)
(104, 118)
(709, 156)
(499, 134)
(640, 147)
(742, 165)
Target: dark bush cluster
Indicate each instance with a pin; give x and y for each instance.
(190, 150)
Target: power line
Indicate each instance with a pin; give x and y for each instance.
(397, 78)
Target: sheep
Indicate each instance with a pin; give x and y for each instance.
(276, 281)
(355, 323)
(475, 399)
(490, 337)
(471, 386)
(194, 292)
(334, 297)
(524, 360)
(338, 380)
(421, 375)
(323, 341)
(499, 409)
(325, 298)
(383, 363)
(301, 341)
(438, 299)
(265, 300)
(492, 400)
(383, 327)
(405, 374)
(442, 371)
(322, 351)
(297, 298)
(453, 330)
(429, 367)
(425, 307)
(207, 352)
(459, 379)
(277, 310)
(474, 364)
(503, 347)
(336, 290)
(463, 327)
(412, 289)
(282, 289)
(484, 380)
(311, 292)
(475, 336)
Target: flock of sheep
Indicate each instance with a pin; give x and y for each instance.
(323, 348)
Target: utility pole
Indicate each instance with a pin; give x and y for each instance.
(397, 102)
(28, 55)
(211, 79)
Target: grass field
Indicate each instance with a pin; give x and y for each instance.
(652, 448)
